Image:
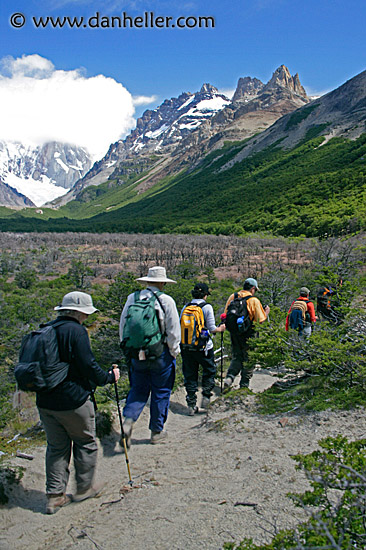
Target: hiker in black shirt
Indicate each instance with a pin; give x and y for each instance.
(67, 411)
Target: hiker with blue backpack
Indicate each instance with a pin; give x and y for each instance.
(197, 323)
(242, 309)
(150, 340)
(301, 315)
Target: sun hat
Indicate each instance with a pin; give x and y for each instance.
(156, 274)
(252, 282)
(78, 301)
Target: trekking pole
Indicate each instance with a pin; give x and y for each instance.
(123, 434)
(222, 361)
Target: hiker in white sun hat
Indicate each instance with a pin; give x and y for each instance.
(156, 274)
(150, 349)
(67, 411)
(77, 301)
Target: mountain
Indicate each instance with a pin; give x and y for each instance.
(33, 175)
(303, 175)
(158, 132)
(340, 113)
(11, 197)
(182, 129)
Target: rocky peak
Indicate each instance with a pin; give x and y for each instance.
(208, 88)
(247, 89)
(282, 78)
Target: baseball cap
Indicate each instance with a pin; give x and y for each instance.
(252, 282)
(202, 287)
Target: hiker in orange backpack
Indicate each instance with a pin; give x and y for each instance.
(301, 315)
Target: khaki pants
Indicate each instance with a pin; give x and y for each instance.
(70, 430)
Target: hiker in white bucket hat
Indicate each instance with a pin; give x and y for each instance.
(151, 361)
(77, 301)
(67, 411)
(156, 274)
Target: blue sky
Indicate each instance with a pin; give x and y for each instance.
(322, 40)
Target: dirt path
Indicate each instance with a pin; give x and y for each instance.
(187, 491)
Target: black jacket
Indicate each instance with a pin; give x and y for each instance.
(84, 372)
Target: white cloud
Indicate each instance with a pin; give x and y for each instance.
(39, 103)
(144, 99)
(313, 92)
(228, 92)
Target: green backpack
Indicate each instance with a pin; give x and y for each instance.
(142, 335)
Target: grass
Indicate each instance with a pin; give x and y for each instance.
(313, 394)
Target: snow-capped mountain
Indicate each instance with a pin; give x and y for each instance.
(182, 130)
(33, 175)
(160, 130)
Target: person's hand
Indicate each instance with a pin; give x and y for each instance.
(267, 309)
(116, 372)
(220, 328)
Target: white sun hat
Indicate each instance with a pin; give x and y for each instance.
(78, 301)
(156, 274)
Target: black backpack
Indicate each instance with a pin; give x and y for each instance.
(39, 367)
(237, 316)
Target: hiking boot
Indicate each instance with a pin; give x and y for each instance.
(92, 492)
(205, 403)
(55, 502)
(228, 382)
(127, 428)
(192, 411)
(158, 437)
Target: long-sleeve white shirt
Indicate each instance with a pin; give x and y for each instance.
(169, 321)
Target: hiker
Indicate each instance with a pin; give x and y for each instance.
(197, 322)
(151, 358)
(301, 315)
(325, 306)
(67, 411)
(242, 310)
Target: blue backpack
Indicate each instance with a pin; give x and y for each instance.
(299, 315)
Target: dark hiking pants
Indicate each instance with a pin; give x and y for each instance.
(192, 360)
(239, 361)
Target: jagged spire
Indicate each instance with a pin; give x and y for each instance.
(282, 77)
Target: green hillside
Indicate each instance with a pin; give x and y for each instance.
(311, 190)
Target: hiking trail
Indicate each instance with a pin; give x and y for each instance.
(220, 477)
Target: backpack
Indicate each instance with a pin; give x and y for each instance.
(322, 300)
(299, 314)
(194, 334)
(39, 367)
(141, 331)
(237, 316)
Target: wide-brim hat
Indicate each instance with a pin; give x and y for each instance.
(156, 274)
(77, 301)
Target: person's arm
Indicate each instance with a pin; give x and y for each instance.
(311, 310)
(122, 321)
(230, 299)
(256, 311)
(86, 363)
(172, 326)
(210, 320)
(287, 318)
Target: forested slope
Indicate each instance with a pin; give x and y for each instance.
(313, 189)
